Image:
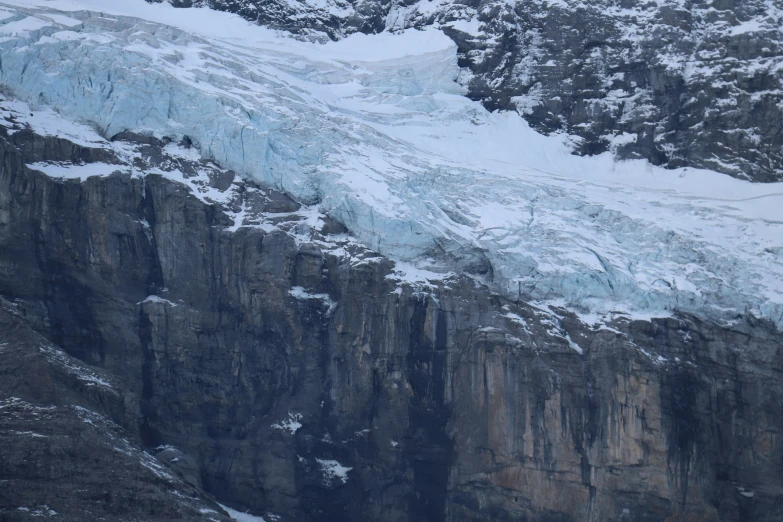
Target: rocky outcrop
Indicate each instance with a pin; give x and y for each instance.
(680, 84)
(61, 454)
(221, 340)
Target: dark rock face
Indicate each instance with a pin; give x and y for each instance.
(282, 368)
(63, 454)
(677, 83)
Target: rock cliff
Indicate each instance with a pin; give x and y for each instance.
(177, 336)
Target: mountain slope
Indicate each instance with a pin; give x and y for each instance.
(375, 131)
(696, 84)
(215, 338)
(319, 280)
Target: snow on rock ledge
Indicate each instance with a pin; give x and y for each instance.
(385, 143)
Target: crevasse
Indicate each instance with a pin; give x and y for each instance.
(375, 129)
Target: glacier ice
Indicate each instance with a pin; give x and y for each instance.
(377, 132)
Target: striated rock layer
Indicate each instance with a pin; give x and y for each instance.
(273, 364)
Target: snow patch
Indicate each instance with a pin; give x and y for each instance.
(299, 292)
(240, 516)
(573, 345)
(42, 511)
(292, 423)
(73, 171)
(186, 153)
(30, 434)
(333, 470)
(411, 274)
(47, 122)
(157, 299)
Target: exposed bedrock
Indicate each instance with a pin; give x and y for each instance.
(283, 369)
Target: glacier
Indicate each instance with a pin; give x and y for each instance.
(376, 131)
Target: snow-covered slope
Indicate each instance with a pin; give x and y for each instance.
(378, 132)
(695, 84)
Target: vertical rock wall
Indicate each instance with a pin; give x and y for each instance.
(294, 375)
